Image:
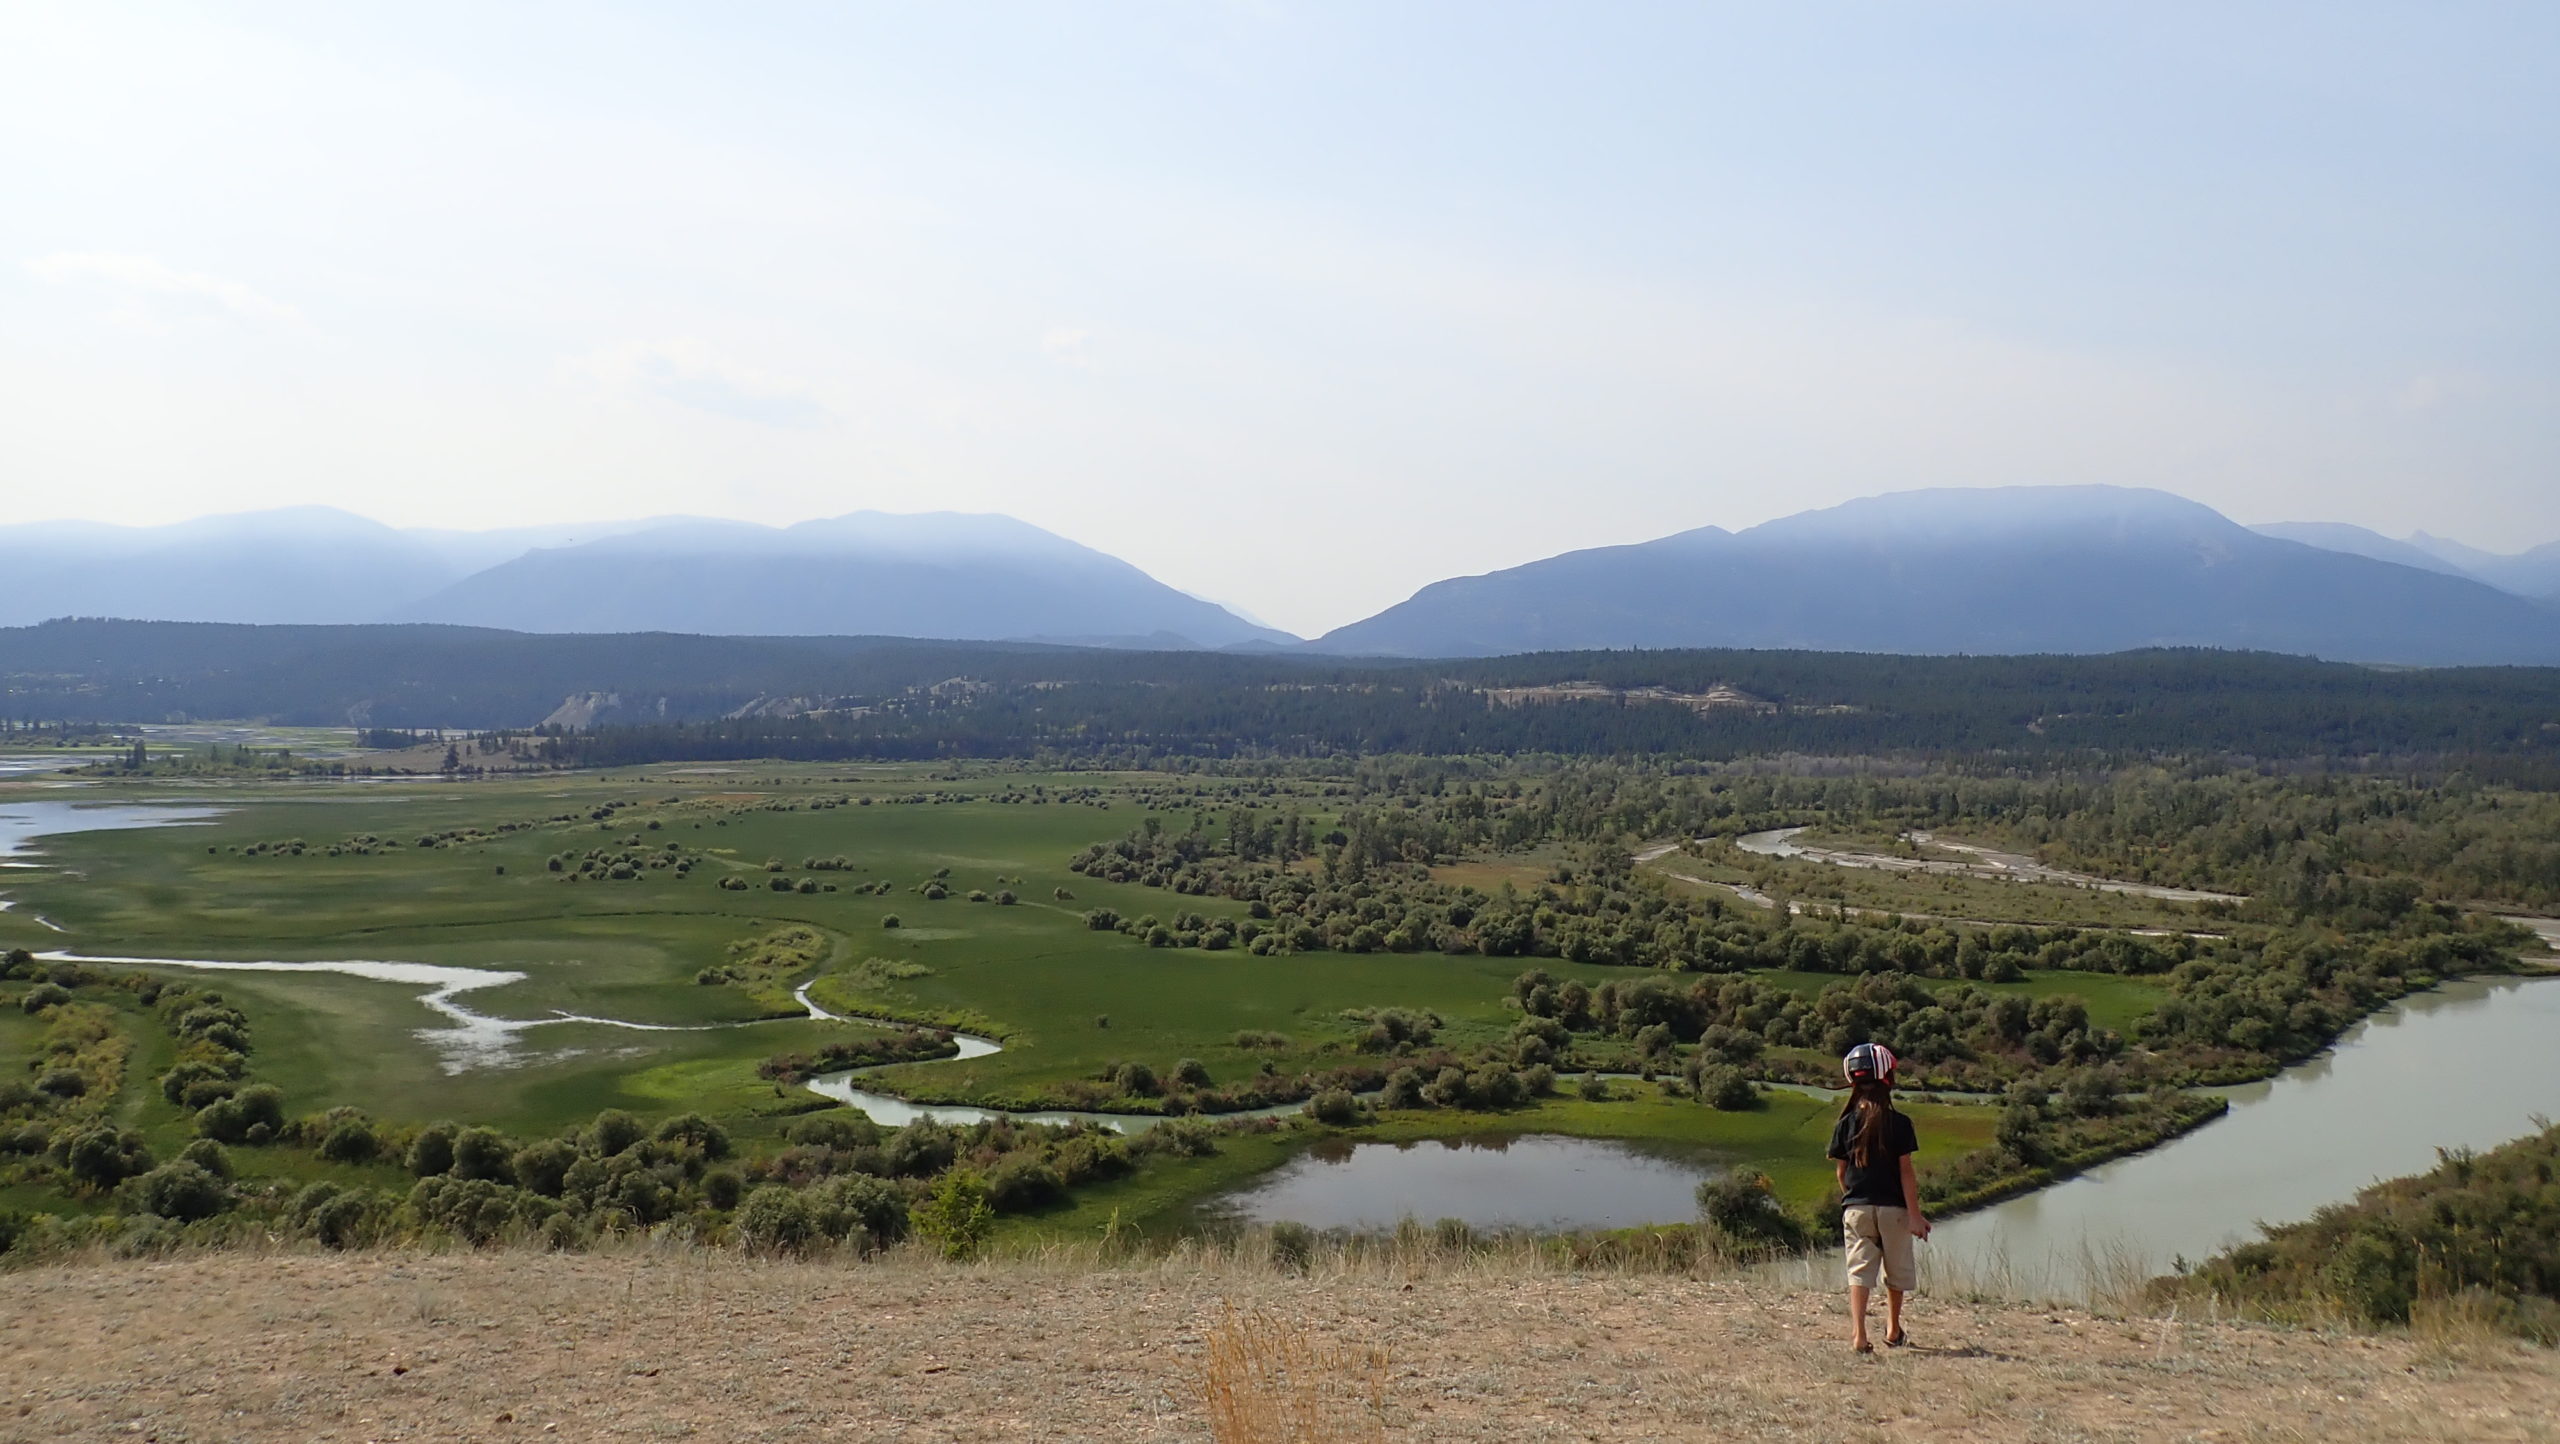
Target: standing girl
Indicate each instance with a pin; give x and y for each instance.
(1871, 1150)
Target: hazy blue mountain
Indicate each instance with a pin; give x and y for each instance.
(2338, 536)
(302, 564)
(2001, 570)
(2534, 573)
(936, 574)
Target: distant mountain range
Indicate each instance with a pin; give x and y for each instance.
(2003, 570)
(2535, 573)
(940, 574)
(1988, 571)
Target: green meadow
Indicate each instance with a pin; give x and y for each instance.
(460, 874)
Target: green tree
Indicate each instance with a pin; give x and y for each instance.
(957, 1218)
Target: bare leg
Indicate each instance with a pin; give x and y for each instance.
(1893, 1313)
(1858, 1296)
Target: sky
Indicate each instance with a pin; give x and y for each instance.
(1297, 306)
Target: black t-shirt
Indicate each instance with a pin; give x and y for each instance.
(1880, 1183)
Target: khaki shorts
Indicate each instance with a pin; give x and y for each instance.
(1879, 1242)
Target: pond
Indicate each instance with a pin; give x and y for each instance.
(2467, 1065)
(1539, 1182)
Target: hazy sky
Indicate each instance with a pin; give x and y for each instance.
(1297, 306)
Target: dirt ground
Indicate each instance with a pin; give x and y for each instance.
(526, 1346)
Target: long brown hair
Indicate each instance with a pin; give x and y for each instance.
(1871, 1099)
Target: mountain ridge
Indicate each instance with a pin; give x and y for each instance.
(1972, 571)
(956, 575)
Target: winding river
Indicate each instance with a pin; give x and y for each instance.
(2465, 1065)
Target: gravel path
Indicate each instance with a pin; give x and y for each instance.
(522, 1346)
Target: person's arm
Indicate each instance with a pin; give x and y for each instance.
(1840, 1173)
(1911, 1198)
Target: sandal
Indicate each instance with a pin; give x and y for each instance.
(1865, 1348)
(1897, 1339)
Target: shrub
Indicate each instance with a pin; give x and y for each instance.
(722, 1188)
(775, 1219)
(695, 1132)
(206, 1154)
(338, 1217)
(1592, 1089)
(61, 1083)
(890, 921)
(195, 1083)
(1135, 1080)
(253, 1115)
(921, 1150)
(612, 1132)
(1404, 1089)
(1191, 1073)
(431, 1152)
(101, 1158)
(478, 1210)
(350, 1140)
(43, 996)
(181, 1191)
(957, 1218)
(1090, 1157)
(839, 1131)
(1745, 1211)
(867, 1212)
(1727, 1088)
(2020, 1134)
(1022, 1183)
(543, 1167)
(483, 1153)
(1335, 1106)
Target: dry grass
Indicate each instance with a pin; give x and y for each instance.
(659, 1340)
(1266, 1380)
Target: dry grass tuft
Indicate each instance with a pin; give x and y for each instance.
(1267, 1381)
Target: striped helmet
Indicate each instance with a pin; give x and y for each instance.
(1868, 1060)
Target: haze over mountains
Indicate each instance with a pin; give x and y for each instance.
(935, 574)
(2005, 570)
(2000, 570)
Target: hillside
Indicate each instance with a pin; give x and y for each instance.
(941, 574)
(497, 1346)
(2004, 570)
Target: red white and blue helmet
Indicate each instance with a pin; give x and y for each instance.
(1868, 1060)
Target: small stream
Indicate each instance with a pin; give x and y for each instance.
(892, 1112)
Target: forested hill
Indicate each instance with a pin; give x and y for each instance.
(644, 697)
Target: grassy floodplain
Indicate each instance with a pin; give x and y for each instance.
(459, 874)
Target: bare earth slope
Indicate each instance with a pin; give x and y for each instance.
(526, 1346)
